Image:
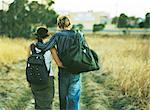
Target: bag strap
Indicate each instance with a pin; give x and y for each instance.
(80, 39)
(32, 47)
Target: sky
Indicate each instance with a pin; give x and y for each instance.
(136, 8)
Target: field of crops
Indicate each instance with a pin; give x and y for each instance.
(123, 83)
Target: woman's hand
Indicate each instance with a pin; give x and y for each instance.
(55, 57)
(61, 65)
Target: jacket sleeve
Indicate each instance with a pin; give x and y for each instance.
(48, 45)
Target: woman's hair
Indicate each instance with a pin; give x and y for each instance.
(42, 33)
(39, 39)
(63, 22)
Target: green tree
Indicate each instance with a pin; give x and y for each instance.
(122, 21)
(98, 27)
(147, 20)
(3, 22)
(41, 13)
(114, 20)
(77, 27)
(80, 26)
(141, 25)
(16, 19)
(133, 22)
(22, 16)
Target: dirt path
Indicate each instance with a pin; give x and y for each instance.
(96, 94)
(30, 105)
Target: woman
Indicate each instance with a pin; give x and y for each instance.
(44, 94)
(69, 83)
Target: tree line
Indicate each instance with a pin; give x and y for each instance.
(22, 16)
(124, 21)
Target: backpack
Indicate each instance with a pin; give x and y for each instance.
(79, 57)
(36, 70)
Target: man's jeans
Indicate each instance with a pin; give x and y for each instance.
(69, 91)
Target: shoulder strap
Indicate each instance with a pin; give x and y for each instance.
(81, 38)
(32, 47)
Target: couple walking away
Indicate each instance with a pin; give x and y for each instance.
(69, 83)
(72, 56)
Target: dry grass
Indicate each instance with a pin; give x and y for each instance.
(128, 59)
(13, 87)
(12, 50)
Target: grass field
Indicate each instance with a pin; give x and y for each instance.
(123, 83)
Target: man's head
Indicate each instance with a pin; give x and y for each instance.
(63, 22)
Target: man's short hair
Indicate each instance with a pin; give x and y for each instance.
(63, 22)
